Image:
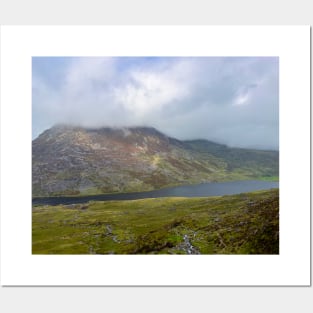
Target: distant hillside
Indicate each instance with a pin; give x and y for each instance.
(73, 160)
(257, 162)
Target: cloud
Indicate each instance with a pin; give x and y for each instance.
(225, 99)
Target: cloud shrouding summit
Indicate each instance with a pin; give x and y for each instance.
(231, 100)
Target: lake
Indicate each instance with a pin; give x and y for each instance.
(200, 190)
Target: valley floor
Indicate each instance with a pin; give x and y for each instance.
(246, 223)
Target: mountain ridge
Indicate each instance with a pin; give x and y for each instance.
(73, 160)
(62, 126)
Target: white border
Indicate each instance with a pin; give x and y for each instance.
(20, 43)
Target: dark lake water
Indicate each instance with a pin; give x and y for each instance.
(201, 190)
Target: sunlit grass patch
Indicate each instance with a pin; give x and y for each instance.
(247, 223)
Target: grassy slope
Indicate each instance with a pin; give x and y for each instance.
(246, 163)
(241, 224)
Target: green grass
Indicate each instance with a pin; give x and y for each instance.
(239, 224)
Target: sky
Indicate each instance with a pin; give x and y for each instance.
(229, 100)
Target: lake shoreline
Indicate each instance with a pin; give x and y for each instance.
(189, 191)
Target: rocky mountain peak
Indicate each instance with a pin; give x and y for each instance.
(75, 160)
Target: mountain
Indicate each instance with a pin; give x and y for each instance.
(69, 160)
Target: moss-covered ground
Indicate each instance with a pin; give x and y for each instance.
(246, 223)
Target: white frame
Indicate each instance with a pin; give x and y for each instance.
(290, 267)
